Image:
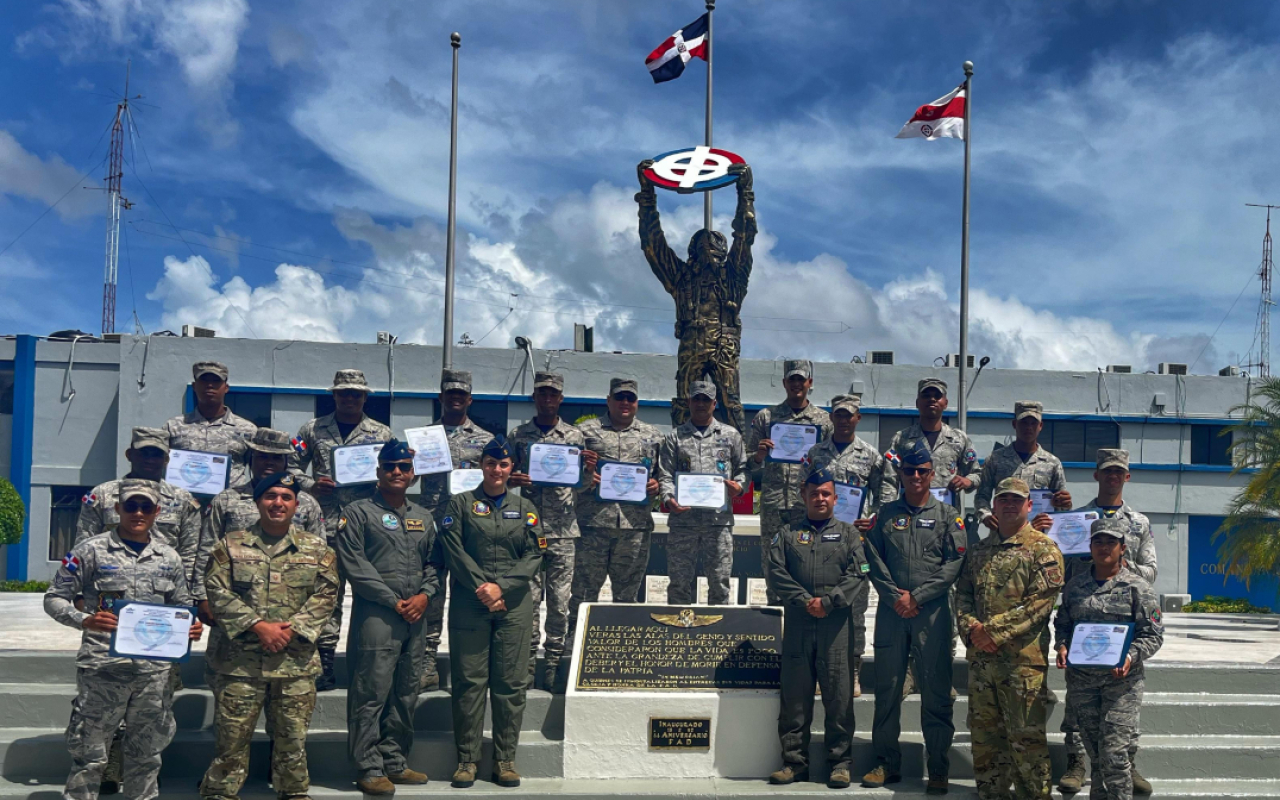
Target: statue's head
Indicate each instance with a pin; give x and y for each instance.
(708, 247)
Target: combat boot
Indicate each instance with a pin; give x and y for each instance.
(430, 675)
(464, 776)
(879, 777)
(504, 774)
(549, 674)
(326, 681)
(937, 785)
(789, 774)
(1073, 779)
(377, 786)
(408, 777)
(1140, 784)
(839, 778)
(857, 671)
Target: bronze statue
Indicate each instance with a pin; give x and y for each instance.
(708, 290)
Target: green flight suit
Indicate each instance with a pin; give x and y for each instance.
(488, 540)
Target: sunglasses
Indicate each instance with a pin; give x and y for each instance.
(134, 507)
(398, 466)
(625, 397)
(913, 471)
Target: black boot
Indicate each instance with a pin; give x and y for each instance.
(326, 681)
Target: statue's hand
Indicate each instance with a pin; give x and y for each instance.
(646, 185)
(743, 171)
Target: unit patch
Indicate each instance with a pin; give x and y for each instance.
(530, 519)
(899, 523)
(390, 522)
(414, 525)
(804, 537)
(481, 509)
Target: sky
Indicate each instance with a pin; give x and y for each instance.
(288, 173)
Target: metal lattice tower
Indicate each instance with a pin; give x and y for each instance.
(1264, 308)
(115, 172)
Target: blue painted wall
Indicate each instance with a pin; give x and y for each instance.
(1204, 576)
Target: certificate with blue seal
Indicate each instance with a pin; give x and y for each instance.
(198, 472)
(1100, 645)
(153, 632)
(356, 463)
(791, 442)
(621, 482)
(700, 490)
(554, 464)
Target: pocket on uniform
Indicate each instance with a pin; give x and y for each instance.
(300, 578)
(162, 586)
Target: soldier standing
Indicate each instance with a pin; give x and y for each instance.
(1106, 703)
(493, 543)
(780, 481)
(851, 460)
(272, 588)
(707, 445)
(1024, 458)
(955, 462)
(212, 427)
(313, 448)
(385, 547)
(916, 551)
(815, 567)
(1003, 602)
(127, 564)
(466, 441)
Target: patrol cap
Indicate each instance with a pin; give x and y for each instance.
(820, 476)
(931, 383)
(137, 487)
(1109, 457)
(702, 389)
(149, 437)
(849, 402)
(459, 379)
(917, 454)
(1013, 486)
(623, 385)
(351, 380)
(271, 442)
(552, 379)
(395, 450)
(1028, 408)
(284, 480)
(499, 448)
(1108, 526)
(797, 366)
(201, 368)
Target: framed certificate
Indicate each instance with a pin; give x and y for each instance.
(153, 632)
(791, 442)
(700, 490)
(1041, 501)
(1100, 645)
(464, 480)
(945, 496)
(356, 463)
(430, 445)
(555, 464)
(198, 472)
(1070, 531)
(849, 501)
(623, 483)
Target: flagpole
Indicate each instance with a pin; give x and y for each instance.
(961, 411)
(455, 39)
(706, 196)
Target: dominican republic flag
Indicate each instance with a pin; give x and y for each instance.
(667, 61)
(943, 117)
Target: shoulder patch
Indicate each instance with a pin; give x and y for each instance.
(960, 522)
(220, 555)
(866, 567)
(90, 499)
(342, 522)
(1156, 616)
(542, 543)
(71, 562)
(447, 522)
(970, 456)
(530, 519)
(330, 558)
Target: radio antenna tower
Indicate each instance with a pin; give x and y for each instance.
(1264, 307)
(115, 201)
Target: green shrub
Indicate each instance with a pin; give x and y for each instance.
(12, 514)
(24, 586)
(1213, 604)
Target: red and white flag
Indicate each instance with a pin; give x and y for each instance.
(943, 117)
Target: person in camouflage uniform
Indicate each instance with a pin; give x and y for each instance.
(955, 462)
(555, 505)
(815, 567)
(1003, 601)
(212, 427)
(1024, 458)
(851, 460)
(271, 588)
(708, 290)
(466, 441)
(126, 564)
(313, 449)
(780, 481)
(703, 444)
(1106, 702)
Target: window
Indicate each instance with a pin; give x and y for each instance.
(378, 408)
(1079, 441)
(64, 510)
(253, 406)
(6, 393)
(1210, 446)
(488, 414)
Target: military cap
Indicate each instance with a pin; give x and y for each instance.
(849, 402)
(553, 379)
(623, 385)
(498, 448)
(1108, 526)
(285, 480)
(395, 450)
(1013, 486)
(137, 487)
(350, 380)
(1108, 457)
(201, 368)
(455, 379)
(702, 388)
(917, 454)
(820, 476)
(271, 442)
(1028, 408)
(149, 437)
(931, 383)
(797, 366)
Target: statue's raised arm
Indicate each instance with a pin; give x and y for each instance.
(664, 262)
(744, 232)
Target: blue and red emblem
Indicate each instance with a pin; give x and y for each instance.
(300, 446)
(694, 169)
(71, 562)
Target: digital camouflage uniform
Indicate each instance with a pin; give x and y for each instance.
(226, 434)
(808, 561)
(1106, 707)
(555, 505)
(700, 533)
(103, 569)
(1009, 585)
(177, 526)
(1041, 470)
(252, 578)
(953, 455)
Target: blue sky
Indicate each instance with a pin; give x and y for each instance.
(302, 151)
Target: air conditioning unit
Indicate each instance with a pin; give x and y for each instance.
(880, 357)
(1169, 368)
(1121, 369)
(1229, 372)
(953, 360)
(196, 332)
(112, 337)
(385, 337)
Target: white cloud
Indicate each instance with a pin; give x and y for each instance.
(25, 174)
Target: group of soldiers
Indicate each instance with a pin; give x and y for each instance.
(268, 561)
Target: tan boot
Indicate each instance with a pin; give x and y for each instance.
(839, 778)
(464, 776)
(409, 777)
(788, 775)
(878, 777)
(1073, 779)
(857, 670)
(504, 774)
(376, 786)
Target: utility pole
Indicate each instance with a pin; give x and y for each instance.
(115, 201)
(1264, 307)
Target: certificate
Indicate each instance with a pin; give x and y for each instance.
(198, 472)
(791, 442)
(700, 490)
(430, 449)
(1102, 645)
(555, 464)
(356, 463)
(464, 480)
(1041, 501)
(623, 483)
(945, 496)
(849, 502)
(1070, 531)
(155, 632)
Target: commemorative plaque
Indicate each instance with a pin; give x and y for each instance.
(674, 648)
(679, 733)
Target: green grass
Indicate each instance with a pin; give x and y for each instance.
(24, 586)
(1213, 604)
